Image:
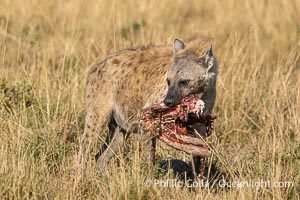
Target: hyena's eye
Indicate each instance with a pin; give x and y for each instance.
(168, 82)
(184, 83)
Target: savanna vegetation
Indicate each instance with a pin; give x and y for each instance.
(47, 48)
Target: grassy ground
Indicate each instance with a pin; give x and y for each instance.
(48, 46)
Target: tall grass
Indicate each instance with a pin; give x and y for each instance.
(48, 46)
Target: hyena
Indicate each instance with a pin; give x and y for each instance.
(124, 83)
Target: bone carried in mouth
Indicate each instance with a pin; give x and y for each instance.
(172, 125)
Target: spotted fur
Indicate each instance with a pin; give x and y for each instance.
(119, 87)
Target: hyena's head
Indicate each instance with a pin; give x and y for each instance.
(189, 73)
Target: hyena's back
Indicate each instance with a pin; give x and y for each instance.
(124, 83)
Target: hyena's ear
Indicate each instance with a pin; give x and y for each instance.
(178, 45)
(208, 57)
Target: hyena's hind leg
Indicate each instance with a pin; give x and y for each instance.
(112, 125)
(111, 146)
(95, 124)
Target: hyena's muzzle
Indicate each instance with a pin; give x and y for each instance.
(173, 97)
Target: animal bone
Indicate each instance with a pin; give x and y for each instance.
(172, 125)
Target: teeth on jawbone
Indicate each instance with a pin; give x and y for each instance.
(170, 124)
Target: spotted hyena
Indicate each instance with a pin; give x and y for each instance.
(126, 82)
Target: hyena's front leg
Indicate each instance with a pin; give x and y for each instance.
(209, 98)
(148, 142)
(153, 150)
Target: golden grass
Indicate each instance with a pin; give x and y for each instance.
(48, 46)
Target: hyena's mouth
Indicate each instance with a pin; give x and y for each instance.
(172, 125)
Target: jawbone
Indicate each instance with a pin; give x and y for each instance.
(172, 125)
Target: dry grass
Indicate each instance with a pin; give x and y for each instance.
(48, 46)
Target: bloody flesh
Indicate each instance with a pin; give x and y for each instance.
(172, 125)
